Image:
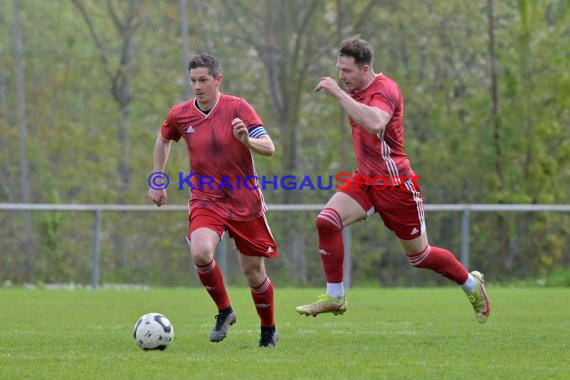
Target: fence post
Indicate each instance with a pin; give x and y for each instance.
(465, 238)
(95, 274)
(346, 234)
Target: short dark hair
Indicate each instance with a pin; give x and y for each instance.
(208, 61)
(357, 48)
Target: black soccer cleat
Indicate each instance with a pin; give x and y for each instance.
(224, 320)
(269, 337)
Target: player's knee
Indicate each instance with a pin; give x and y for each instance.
(202, 252)
(254, 275)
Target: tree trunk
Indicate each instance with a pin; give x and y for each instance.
(494, 95)
(24, 169)
(121, 90)
(502, 225)
(277, 65)
(3, 99)
(283, 42)
(185, 47)
(344, 136)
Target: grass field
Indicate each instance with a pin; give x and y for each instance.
(389, 333)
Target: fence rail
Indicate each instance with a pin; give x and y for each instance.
(98, 209)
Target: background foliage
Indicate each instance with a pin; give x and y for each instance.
(101, 76)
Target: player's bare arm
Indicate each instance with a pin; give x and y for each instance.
(372, 119)
(160, 156)
(262, 145)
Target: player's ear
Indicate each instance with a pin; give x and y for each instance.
(365, 69)
(219, 79)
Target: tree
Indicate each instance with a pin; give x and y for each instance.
(24, 168)
(185, 45)
(120, 77)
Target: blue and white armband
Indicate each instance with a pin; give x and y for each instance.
(257, 132)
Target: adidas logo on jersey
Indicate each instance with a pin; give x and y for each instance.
(269, 250)
(414, 231)
(190, 129)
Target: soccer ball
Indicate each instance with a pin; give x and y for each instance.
(153, 331)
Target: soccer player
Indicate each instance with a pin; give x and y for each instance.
(375, 108)
(220, 132)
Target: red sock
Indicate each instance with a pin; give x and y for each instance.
(211, 277)
(331, 244)
(440, 261)
(263, 300)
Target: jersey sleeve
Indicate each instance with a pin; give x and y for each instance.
(248, 115)
(386, 99)
(169, 129)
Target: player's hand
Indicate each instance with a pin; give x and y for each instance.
(240, 131)
(158, 197)
(329, 85)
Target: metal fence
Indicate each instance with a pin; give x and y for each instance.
(98, 210)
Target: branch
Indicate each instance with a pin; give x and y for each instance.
(304, 24)
(116, 21)
(253, 15)
(264, 52)
(364, 15)
(271, 66)
(98, 44)
(332, 37)
(249, 37)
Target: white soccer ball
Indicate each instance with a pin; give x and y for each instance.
(153, 331)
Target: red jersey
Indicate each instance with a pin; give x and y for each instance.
(220, 162)
(381, 154)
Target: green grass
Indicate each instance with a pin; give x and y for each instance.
(389, 333)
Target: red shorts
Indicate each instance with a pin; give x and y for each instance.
(401, 207)
(252, 237)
